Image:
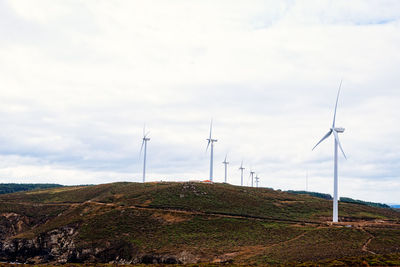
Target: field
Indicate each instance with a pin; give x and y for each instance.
(191, 223)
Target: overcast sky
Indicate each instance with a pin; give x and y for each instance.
(79, 79)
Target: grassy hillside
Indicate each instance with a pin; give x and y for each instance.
(203, 222)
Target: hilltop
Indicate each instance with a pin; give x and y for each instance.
(189, 223)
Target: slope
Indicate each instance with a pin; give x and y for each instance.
(186, 223)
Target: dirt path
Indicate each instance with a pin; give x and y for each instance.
(365, 245)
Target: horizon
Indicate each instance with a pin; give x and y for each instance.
(80, 79)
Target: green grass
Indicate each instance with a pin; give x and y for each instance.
(386, 240)
(318, 243)
(271, 227)
(147, 232)
(218, 198)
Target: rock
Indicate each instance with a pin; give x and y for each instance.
(58, 246)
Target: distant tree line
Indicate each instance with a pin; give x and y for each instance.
(372, 204)
(342, 199)
(313, 194)
(11, 188)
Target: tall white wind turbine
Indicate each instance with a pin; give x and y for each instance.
(241, 170)
(335, 131)
(226, 168)
(144, 144)
(211, 141)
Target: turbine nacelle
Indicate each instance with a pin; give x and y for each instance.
(339, 129)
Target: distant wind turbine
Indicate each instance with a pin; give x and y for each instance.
(226, 168)
(252, 176)
(335, 132)
(241, 170)
(257, 179)
(144, 143)
(211, 141)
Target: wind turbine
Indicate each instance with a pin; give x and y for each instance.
(211, 141)
(144, 143)
(241, 170)
(257, 179)
(226, 167)
(252, 175)
(335, 131)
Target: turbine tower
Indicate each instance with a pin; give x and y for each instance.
(144, 143)
(241, 170)
(257, 179)
(211, 141)
(252, 175)
(226, 167)
(335, 131)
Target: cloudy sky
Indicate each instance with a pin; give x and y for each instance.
(79, 79)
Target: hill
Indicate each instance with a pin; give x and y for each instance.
(12, 187)
(189, 223)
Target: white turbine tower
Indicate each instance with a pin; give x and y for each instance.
(226, 168)
(241, 170)
(211, 141)
(257, 180)
(252, 178)
(335, 132)
(144, 143)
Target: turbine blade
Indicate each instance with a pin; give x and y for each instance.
(323, 138)
(211, 128)
(337, 98)
(146, 134)
(225, 157)
(208, 144)
(337, 140)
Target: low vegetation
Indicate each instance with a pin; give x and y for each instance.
(208, 222)
(313, 194)
(372, 204)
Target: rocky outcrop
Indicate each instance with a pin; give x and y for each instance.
(12, 224)
(59, 246)
(54, 246)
